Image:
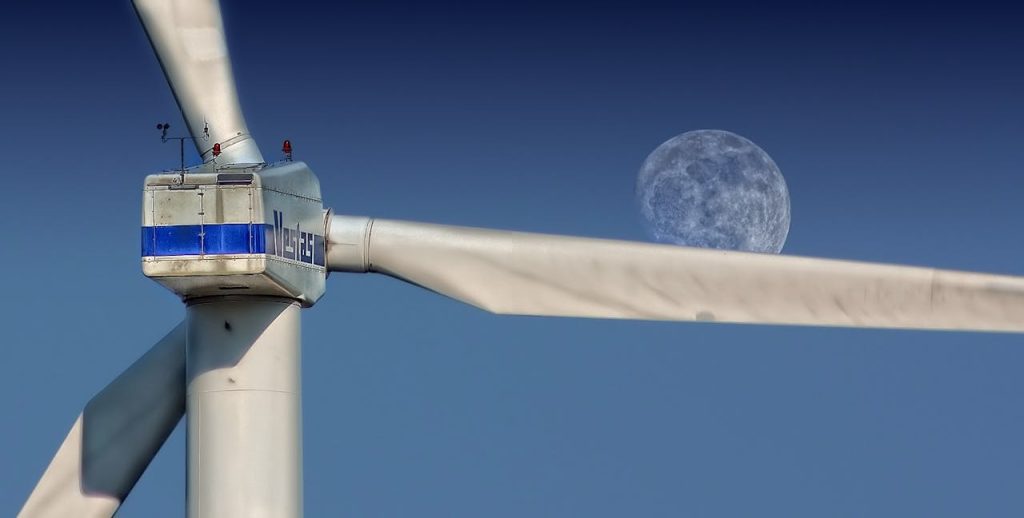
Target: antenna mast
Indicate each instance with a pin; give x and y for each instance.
(164, 126)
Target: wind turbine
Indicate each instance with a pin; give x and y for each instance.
(247, 244)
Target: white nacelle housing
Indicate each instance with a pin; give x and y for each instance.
(244, 230)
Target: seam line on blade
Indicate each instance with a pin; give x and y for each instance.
(245, 390)
(367, 260)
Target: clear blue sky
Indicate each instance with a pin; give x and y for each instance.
(898, 130)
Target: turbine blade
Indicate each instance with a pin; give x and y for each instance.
(537, 274)
(115, 437)
(188, 38)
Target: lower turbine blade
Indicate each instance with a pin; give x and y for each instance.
(537, 274)
(115, 437)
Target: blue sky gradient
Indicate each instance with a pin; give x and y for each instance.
(898, 130)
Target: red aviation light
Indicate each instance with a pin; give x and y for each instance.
(287, 148)
(216, 150)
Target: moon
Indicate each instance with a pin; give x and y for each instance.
(714, 189)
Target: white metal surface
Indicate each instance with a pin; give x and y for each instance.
(243, 231)
(188, 37)
(244, 412)
(538, 274)
(348, 243)
(115, 437)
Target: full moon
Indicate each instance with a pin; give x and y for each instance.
(714, 189)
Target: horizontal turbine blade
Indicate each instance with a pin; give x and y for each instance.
(188, 37)
(537, 274)
(115, 437)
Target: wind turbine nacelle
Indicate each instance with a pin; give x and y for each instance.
(236, 230)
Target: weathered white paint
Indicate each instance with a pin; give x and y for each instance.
(244, 409)
(538, 274)
(115, 437)
(188, 36)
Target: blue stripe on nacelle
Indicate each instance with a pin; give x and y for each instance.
(229, 238)
(234, 238)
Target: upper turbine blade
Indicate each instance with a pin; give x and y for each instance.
(115, 437)
(538, 274)
(188, 37)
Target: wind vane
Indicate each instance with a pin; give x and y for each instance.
(164, 126)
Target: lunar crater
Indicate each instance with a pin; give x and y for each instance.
(714, 189)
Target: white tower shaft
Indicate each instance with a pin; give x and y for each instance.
(243, 408)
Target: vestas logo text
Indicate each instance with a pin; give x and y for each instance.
(293, 243)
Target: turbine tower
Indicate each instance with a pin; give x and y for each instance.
(247, 245)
